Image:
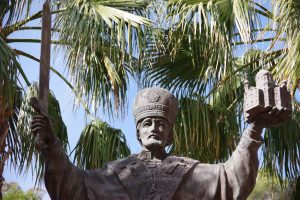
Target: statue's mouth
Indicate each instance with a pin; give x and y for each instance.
(154, 136)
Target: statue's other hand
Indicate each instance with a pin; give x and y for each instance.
(41, 127)
(38, 106)
(271, 118)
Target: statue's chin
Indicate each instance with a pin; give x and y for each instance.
(153, 144)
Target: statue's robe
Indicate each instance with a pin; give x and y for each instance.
(139, 177)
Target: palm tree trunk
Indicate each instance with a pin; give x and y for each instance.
(298, 87)
(4, 152)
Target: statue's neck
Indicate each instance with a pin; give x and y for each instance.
(152, 155)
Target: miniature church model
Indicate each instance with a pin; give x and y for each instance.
(264, 96)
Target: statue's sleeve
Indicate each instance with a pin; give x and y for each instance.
(234, 179)
(64, 181)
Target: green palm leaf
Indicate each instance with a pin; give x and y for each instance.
(211, 26)
(101, 41)
(98, 144)
(206, 133)
(11, 139)
(8, 73)
(287, 21)
(202, 38)
(11, 10)
(28, 157)
(281, 149)
(211, 106)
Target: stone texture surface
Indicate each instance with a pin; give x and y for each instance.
(265, 97)
(155, 175)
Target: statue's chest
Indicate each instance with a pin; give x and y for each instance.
(153, 180)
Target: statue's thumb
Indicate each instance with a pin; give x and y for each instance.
(37, 106)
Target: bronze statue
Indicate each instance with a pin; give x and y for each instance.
(152, 174)
(264, 96)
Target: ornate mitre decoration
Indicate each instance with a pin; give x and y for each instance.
(264, 96)
(155, 102)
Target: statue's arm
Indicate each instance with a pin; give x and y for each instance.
(233, 179)
(240, 171)
(62, 179)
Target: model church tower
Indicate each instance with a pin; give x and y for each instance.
(265, 96)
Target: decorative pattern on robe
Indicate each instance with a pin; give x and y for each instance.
(234, 179)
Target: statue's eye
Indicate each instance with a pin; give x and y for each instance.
(161, 123)
(147, 123)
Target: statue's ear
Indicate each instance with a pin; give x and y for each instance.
(170, 138)
(138, 136)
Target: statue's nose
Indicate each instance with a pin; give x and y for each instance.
(154, 126)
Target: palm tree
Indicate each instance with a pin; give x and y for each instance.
(193, 52)
(9, 91)
(208, 48)
(104, 45)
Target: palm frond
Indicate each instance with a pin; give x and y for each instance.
(101, 43)
(185, 75)
(206, 133)
(287, 22)
(268, 187)
(214, 23)
(201, 39)
(99, 143)
(209, 126)
(127, 5)
(28, 157)
(281, 155)
(12, 140)
(11, 10)
(8, 73)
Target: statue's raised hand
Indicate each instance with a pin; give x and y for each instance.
(271, 118)
(41, 126)
(268, 104)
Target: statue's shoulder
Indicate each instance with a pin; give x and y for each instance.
(170, 160)
(123, 162)
(180, 159)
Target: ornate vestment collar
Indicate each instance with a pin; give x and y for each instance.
(147, 155)
(146, 177)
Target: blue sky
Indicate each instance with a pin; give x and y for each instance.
(75, 120)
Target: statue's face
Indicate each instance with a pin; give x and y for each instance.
(154, 133)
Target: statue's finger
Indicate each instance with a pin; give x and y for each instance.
(34, 102)
(39, 121)
(265, 114)
(273, 112)
(279, 112)
(36, 130)
(37, 106)
(285, 115)
(283, 84)
(38, 124)
(38, 117)
(42, 119)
